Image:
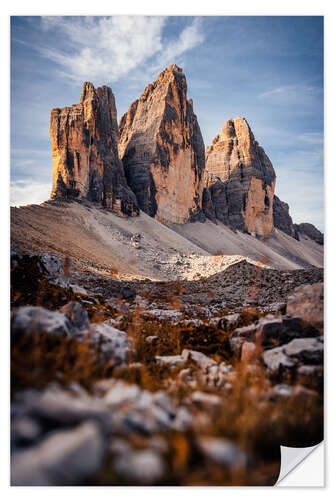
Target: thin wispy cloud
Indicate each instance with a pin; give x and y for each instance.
(190, 37)
(291, 91)
(108, 48)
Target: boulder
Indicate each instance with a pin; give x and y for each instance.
(111, 343)
(271, 331)
(137, 410)
(277, 361)
(57, 407)
(30, 319)
(298, 352)
(65, 457)
(308, 351)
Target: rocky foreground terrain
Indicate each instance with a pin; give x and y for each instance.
(192, 382)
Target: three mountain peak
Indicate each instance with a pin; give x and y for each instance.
(156, 161)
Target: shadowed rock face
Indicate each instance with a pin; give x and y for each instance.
(282, 219)
(85, 152)
(162, 150)
(239, 180)
(310, 231)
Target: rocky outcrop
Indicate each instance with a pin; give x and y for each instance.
(284, 222)
(85, 152)
(162, 150)
(281, 217)
(309, 231)
(239, 180)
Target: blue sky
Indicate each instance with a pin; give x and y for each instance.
(267, 69)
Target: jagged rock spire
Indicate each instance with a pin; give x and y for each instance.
(86, 164)
(240, 180)
(162, 150)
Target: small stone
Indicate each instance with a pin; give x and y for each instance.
(151, 339)
(222, 452)
(170, 361)
(228, 321)
(282, 390)
(205, 401)
(79, 289)
(141, 467)
(200, 359)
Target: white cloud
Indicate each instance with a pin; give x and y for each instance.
(189, 38)
(29, 192)
(108, 48)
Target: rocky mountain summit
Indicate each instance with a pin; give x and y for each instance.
(163, 151)
(240, 180)
(156, 162)
(84, 141)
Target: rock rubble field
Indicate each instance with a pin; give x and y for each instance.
(190, 382)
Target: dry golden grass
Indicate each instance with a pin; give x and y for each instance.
(40, 359)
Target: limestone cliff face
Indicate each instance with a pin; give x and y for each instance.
(239, 180)
(162, 150)
(282, 219)
(85, 157)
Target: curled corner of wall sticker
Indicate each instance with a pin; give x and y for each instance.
(302, 467)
